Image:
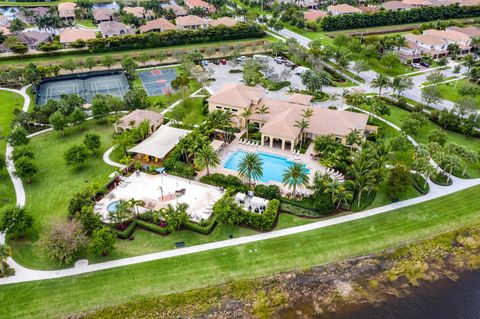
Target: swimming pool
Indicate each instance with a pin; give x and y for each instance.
(273, 165)
(112, 207)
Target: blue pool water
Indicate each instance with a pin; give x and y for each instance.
(112, 207)
(273, 165)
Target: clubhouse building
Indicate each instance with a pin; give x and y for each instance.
(277, 118)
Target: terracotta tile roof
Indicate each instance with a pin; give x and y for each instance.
(113, 28)
(103, 14)
(69, 35)
(190, 20)
(451, 35)
(33, 38)
(396, 5)
(302, 99)
(138, 12)
(226, 21)
(238, 95)
(313, 15)
(369, 9)
(67, 6)
(200, 4)
(344, 8)
(417, 3)
(161, 24)
(139, 116)
(5, 31)
(179, 11)
(423, 38)
(470, 31)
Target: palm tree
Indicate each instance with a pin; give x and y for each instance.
(5, 252)
(183, 146)
(134, 203)
(302, 124)
(307, 113)
(354, 137)
(206, 157)
(250, 167)
(339, 192)
(380, 82)
(295, 176)
(246, 114)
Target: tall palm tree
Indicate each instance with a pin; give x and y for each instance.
(134, 203)
(380, 82)
(302, 124)
(295, 176)
(250, 167)
(246, 114)
(206, 157)
(5, 252)
(307, 113)
(262, 110)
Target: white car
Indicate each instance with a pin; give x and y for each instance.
(416, 65)
(241, 58)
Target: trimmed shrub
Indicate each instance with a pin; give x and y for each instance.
(226, 181)
(152, 227)
(269, 192)
(127, 232)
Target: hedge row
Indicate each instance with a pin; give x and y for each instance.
(264, 221)
(207, 229)
(391, 17)
(175, 37)
(127, 232)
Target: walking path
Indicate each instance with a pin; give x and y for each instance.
(23, 274)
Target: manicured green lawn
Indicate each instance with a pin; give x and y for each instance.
(86, 23)
(449, 91)
(398, 115)
(376, 65)
(52, 187)
(9, 102)
(192, 109)
(58, 297)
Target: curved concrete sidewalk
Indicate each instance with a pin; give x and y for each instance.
(107, 160)
(17, 183)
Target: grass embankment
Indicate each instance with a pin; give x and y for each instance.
(398, 115)
(10, 102)
(450, 91)
(58, 59)
(368, 235)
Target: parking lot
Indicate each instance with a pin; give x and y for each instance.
(223, 76)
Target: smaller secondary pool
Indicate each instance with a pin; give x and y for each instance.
(112, 207)
(273, 165)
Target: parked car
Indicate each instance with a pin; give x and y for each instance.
(278, 59)
(300, 70)
(241, 58)
(223, 62)
(204, 63)
(216, 62)
(288, 64)
(416, 65)
(425, 64)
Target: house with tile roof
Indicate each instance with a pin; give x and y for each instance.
(66, 10)
(104, 15)
(177, 10)
(192, 4)
(278, 125)
(137, 117)
(396, 5)
(226, 21)
(69, 35)
(314, 15)
(343, 8)
(191, 22)
(114, 28)
(140, 12)
(33, 39)
(157, 25)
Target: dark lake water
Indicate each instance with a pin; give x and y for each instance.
(444, 299)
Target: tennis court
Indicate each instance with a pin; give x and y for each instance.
(158, 81)
(85, 86)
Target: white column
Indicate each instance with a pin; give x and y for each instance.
(263, 140)
(292, 146)
(271, 141)
(283, 144)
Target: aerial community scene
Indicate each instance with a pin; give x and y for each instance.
(240, 159)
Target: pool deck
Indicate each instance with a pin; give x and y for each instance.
(313, 165)
(158, 191)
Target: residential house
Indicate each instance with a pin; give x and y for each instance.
(178, 10)
(114, 28)
(29, 15)
(417, 3)
(314, 15)
(157, 25)
(33, 39)
(472, 32)
(452, 37)
(192, 4)
(343, 8)
(140, 12)
(69, 35)
(191, 22)
(369, 9)
(5, 31)
(137, 117)
(104, 15)
(423, 44)
(4, 22)
(278, 127)
(396, 6)
(226, 21)
(66, 10)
